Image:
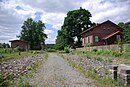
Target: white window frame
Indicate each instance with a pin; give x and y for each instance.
(96, 39)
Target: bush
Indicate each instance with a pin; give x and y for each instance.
(94, 50)
(1, 56)
(98, 52)
(99, 59)
(66, 49)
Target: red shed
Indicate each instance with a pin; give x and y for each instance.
(19, 43)
(106, 33)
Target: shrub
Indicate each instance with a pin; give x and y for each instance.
(66, 49)
(99, 59)
(99, 52)
(88, 57)
(1, 56)
(94, 50)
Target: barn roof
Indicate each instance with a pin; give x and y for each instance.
(99, 25)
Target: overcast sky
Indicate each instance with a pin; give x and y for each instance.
(52, 13)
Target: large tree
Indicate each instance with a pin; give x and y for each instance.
(126, 31)
(33, 32)
(74, 24)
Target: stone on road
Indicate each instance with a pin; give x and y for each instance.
(56, 72)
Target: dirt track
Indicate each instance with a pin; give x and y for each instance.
(56, 72)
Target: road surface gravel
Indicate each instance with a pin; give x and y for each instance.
(56, 72)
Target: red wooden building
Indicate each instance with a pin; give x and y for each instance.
(19, 43)
(106, 33)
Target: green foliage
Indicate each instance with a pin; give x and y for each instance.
(5, 82)
(108, 53)
(126, 31)
(88, 57)
(4, 45)
(75, 23)
(1, 56)
(99, 59)
(92, 73)
(61, 41)
(94, 50)
(66, 49)
(23, 83)
(33, 33)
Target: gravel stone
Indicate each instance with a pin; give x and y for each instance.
(56, 72)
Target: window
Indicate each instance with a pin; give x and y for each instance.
(96, 38)
(118, 37)
(88, 40)
(108, 28)
(104, 28)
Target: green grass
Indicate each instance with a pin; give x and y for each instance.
(8, 56)
(106, 56)
(15, 55)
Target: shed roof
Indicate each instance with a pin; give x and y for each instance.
(16, 41)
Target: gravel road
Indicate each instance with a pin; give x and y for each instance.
(56, 72)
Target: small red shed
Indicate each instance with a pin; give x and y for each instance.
(19, 43)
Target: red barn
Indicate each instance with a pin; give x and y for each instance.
(19, 43)
(106, 33)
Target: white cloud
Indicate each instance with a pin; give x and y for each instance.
(102, 10)
(55, 19)
(47, 31)
(11, 19)
(57, 26)
(55, 6)
(50, 40)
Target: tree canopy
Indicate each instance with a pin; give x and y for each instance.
(33, 33)
(126, 31)
(4, 45)
(74, 24)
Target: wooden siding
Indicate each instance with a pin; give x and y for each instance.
(102, 30)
